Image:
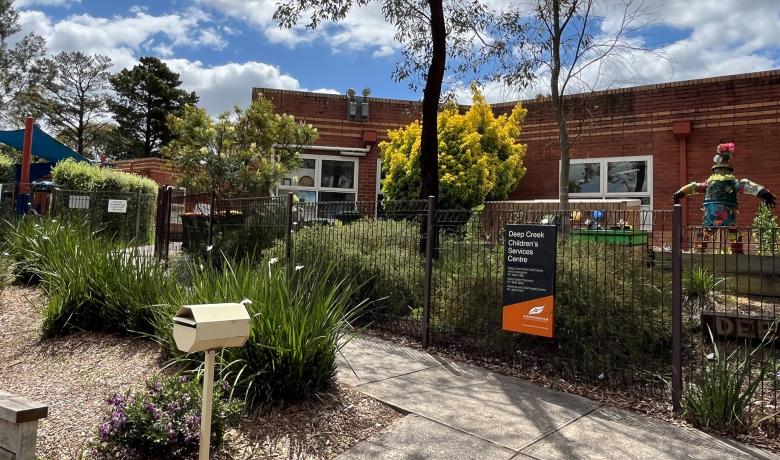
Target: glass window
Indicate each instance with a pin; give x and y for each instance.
(585, 178)
(626, 176)
(302, 176)
(305, 196)
(337, 174)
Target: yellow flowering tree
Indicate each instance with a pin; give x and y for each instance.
(480, 157)
(238, 154)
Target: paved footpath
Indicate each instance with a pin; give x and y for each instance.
(457, 411)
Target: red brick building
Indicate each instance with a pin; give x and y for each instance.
(641, 142)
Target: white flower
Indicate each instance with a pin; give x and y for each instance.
(202, 162)
(298, 267)
(201, 266)
(711, 356)
(246, 302)
(6, 254)
(45, 237)
(209, 247)
(271, 262)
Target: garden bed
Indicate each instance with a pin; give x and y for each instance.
(75, 374)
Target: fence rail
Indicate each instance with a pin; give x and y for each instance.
(637, 293)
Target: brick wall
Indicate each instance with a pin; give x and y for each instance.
(744, 109)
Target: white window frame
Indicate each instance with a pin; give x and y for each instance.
(378, 178)
(317, 188)
(604, 184)
(604, 177)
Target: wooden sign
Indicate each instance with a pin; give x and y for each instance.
(734, 326)
(529, 279)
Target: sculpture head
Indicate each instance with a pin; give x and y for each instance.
(722, 159)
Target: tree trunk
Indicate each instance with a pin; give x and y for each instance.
(559, 111)
(429, 143)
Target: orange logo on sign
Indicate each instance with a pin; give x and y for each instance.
(531, 317)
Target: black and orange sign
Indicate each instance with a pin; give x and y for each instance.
(529, 279)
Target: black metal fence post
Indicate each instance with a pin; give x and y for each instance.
(288, 243)
(212, 201)
(427, 287)
(676, 307)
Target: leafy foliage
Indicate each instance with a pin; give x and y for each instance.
(162, 421)
(239, 155)
(7, 169)
(23, 66)
(479, 156)
(144, 97)
(766, 231)
(100, 185)
(300, 319)
(719, 396)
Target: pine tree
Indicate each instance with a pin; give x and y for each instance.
(145, 96)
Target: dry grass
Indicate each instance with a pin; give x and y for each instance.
(74, 375)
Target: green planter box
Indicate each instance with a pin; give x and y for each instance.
(617, 237)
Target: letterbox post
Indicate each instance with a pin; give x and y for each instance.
(205, 416)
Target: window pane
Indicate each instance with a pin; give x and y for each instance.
(305, 196)
(585, 178)
(626, 176)
(302, 176)
(336, 196)
(337, 174)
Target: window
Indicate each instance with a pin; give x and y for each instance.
(322, 178)
(626, 177)
(584, 177)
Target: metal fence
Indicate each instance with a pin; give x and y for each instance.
(437, 275)
(121, 216)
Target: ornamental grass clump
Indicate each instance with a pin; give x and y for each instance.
(300, 317)
(720, 395)
(162, 421)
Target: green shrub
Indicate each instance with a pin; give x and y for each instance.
(300, 319)
(720, 395)
(31, 242)
(766, 231)
(162, 421)
(7, 169)
(382, 255)
(101, 185)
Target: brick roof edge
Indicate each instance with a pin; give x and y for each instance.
(628, 89)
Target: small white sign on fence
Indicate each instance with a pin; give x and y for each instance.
(117, 206)
(78, 202)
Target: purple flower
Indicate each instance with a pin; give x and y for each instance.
(183, 379)
(104, 431)
(116, 400)
(225, 386)
(153, 410)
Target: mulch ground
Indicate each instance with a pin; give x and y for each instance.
(74, 375)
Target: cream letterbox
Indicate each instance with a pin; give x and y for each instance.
(207, 327)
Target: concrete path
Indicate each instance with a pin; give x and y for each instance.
(457, 411)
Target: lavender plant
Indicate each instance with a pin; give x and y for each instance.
(162, 421)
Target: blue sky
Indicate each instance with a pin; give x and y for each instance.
(222, 48)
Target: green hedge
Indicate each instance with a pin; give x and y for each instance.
(7, 169)
(101, 185)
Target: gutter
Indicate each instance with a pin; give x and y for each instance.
(346, 151)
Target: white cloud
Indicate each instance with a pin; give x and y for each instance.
(364, 27)
(223, 86)
(28, 3)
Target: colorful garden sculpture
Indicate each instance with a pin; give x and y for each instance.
(720, 194)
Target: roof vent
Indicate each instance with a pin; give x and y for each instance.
(357, 107)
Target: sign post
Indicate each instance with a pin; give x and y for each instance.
(529, 279)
